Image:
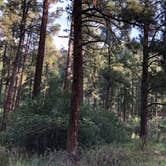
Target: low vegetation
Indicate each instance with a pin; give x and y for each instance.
(106, 155)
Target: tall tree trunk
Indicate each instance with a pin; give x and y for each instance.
(119, 103)
(133, 96)
(3, 72)
(20, 82)
(40, 56)
(108, 86)
(124, 103)
(21, 73)
(156, 107)
(77, 85)
(30, 86)
(94, 83)
(9, 68)
(47, 79)
(107, 99)
(16, 65)
(15, 89)
(144, 88)
(69, 59)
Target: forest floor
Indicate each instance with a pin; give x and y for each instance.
(106, 155)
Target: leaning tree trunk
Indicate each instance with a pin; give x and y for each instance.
(40, 56)
(20, 82)
(21, 74)
(16, 65)
(77, 85)
(144, 89)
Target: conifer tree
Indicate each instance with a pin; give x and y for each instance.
(41, 49)
(77, 85)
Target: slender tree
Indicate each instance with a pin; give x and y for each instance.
(41, 49)
(68, 72)
(3, 71)
(16, 65)
(144, 87)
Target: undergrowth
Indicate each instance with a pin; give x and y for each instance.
(107, 155)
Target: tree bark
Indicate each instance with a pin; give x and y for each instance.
(41, 49)
(77, 85)
(16, 65)
(21, 73)
(144, 88)
(108, 86)
(124, 104)
(3, 72)
(20, 82)
(133, 96)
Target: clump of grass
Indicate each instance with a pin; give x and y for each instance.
(4, 160)
(122, 156)
(108, 155)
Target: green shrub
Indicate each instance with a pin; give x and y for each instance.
(157, 129)
(42, 123)
(111, 128)
(37, 132)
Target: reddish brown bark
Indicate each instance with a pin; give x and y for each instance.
(108, 86)
(41, 49)
(144, 88)
(19, 87)
(77, 85)
(16, 65)
(21, 74)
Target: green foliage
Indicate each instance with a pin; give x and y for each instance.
(99, 127)
(157, 129)
(137, 11)
(39, 124)
(111, 129)
(158, 82)
(42, 123)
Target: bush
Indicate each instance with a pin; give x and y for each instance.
(157, 129)
(42, 124)
(36, 132)
(111, 128)
(39, 124)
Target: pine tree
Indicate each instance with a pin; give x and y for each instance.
(77, 85)
(16, 64)
(41, 49)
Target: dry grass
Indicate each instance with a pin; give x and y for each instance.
(108, 155)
